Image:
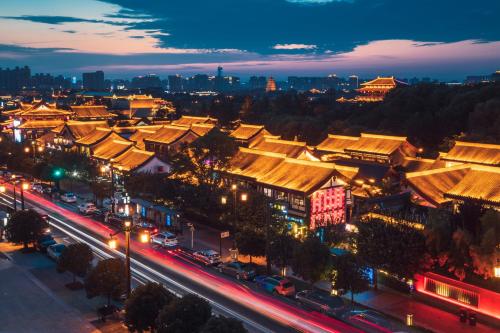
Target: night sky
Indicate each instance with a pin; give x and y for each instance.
(444, 39)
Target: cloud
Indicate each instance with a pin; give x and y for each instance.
(294, 47)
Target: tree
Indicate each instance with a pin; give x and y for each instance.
(349, 274)
(251, 242)
(144, 305)
(204, 158)
(75, 258)
(310, 259)
(281, 247)
(393, 247)
(184, 315)
(107, 279)
(25, 227)
(220, 324)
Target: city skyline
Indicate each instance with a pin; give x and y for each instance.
(308, 38)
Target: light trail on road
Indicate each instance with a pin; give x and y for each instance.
(265, 305)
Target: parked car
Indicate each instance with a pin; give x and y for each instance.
(48, 189)
(87, 208)
(54, 251)
(68, 197)
(208, 257)
(115, 220)
(369, 320)
(320, 301)
(43, 242)
(276, 284)
(239, 270)
(164, 239)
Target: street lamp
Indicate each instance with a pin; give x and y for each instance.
(113, 244)
(13, 177)
(24, 187)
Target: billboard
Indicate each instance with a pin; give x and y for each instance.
(328, 206)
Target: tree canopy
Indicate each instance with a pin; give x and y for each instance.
(107, 279)
(184, 315)
(220, 324)
(25, 227)
(75, 258)
(144, 304)
(310, 259)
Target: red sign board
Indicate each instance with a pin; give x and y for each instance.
(327, 207)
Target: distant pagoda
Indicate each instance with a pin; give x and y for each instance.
(271, 85)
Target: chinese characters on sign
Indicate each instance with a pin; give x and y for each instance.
(327, 207)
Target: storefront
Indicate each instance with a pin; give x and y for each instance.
(162, 216)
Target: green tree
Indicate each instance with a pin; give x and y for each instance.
(393, 247)
(25, 227)
(220, 324)
(76, 258)
(281, 249)
(251, 242)
(107, 279)
(349, 274)
(184, 315)
(144, 305)
(310, 259)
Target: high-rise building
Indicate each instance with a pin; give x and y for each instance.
(175, 83)
(219, 83)
(257, 82)
(12, 80)
(146, 81)
(271, 85)
(93, 81)
(353, 82)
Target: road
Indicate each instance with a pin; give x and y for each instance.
(259, 312)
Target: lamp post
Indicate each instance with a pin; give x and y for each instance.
(113, 244)
(13, 177)
(244, 198)
(24, 186)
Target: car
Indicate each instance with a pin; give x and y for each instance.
(369, 320)
(68, 197)
(276, 284)
(164, 239)
(48, 190)
(144, 227)
(54, 251)
(208, 257)
(43, 242)
(239, 270)
(115, 220)
(36, 187)
(87, 208)
(320, 301)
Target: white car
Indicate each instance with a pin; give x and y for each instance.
(54, 251)
(68, 197)
(208, 257)
(37, 188)
(87, 208)
(164, 239)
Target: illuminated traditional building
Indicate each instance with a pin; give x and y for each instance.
(91, 112)
(271, 85)
(310, 194)
(292, 149)
(71, 131)
(142, 106)
(190, 120)
(34, 120)
(169, 139)
(246, 134)
(135, 160)
(374, 90)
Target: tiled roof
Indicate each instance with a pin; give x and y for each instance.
(39, 109)
(414, 164)
(377, 144)
(432, 184)
(336, 143)
(112, 146)
(131, 159)
(383, 81)
(253, 164)
(98, 134)
(168, 134)
(91, 111)
(189, 120)
(202, 129)
(291, 149)
(469, 152)
(305, 176)
(31, 124)
(480, 183)
(140, 134)
(79, 129)
(246, 131)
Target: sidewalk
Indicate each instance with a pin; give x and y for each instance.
(399, 305)
(34, 298)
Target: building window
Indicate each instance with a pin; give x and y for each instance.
(297, 202)
(268, 192)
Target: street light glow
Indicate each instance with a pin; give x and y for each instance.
(244, 197)
(144, 237)
(112, 243)
(25, 186)
(2, 189)
(223, 200)
(26, 150)
(234, 187)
